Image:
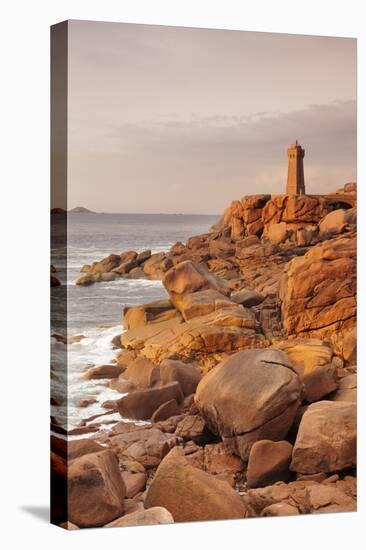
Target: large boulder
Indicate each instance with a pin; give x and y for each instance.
(105, 265)
(187, 375)
(335, 222)
(188, 277)
(140, 405)
(152, 266)
(320, 382)
(103, 372)
(250, 396)
(134, 482)
(347, 389)
(326, 440)
(81, 447)
(277, 233)
(191, 494)
(318, 293)
(306, 354)
(269, 462)
(142, 373)
(95, 489)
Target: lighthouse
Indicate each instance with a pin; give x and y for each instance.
(295, 177)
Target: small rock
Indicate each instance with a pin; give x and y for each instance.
(103, 371)
(153, 516)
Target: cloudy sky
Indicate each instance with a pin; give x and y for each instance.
(180, 120)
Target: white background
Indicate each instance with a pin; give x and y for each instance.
(24, 131)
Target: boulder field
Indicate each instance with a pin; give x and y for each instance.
(237, 393)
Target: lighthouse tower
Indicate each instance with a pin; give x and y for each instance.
(295, 177)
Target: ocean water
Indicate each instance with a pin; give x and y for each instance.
(94, 312)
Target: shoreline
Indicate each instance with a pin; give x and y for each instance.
(265, 286)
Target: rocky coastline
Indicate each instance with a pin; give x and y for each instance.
(244, 377)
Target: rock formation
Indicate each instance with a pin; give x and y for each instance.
(244, 376)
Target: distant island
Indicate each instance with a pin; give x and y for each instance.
(81, 210)
(76, 210)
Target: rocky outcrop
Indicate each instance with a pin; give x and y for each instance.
(303, 497)
(201, 303)
(318, 294)
(296, 211)
(95, 489)
(252, 395)
(191, 494)
(224, 331)
(139, 316)
(326, 440)
(229, 370)
(188, 277)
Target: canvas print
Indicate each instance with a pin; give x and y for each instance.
(203, 274)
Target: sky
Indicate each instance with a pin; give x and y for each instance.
(182, 120)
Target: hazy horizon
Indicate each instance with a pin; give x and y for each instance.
(178, 120)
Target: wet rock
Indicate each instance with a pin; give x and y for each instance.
(55, 281)
(152, 265)
(143, 256)
(86, 280)
(108, 277)
(103, 371)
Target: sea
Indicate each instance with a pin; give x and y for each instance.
(94, 313)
